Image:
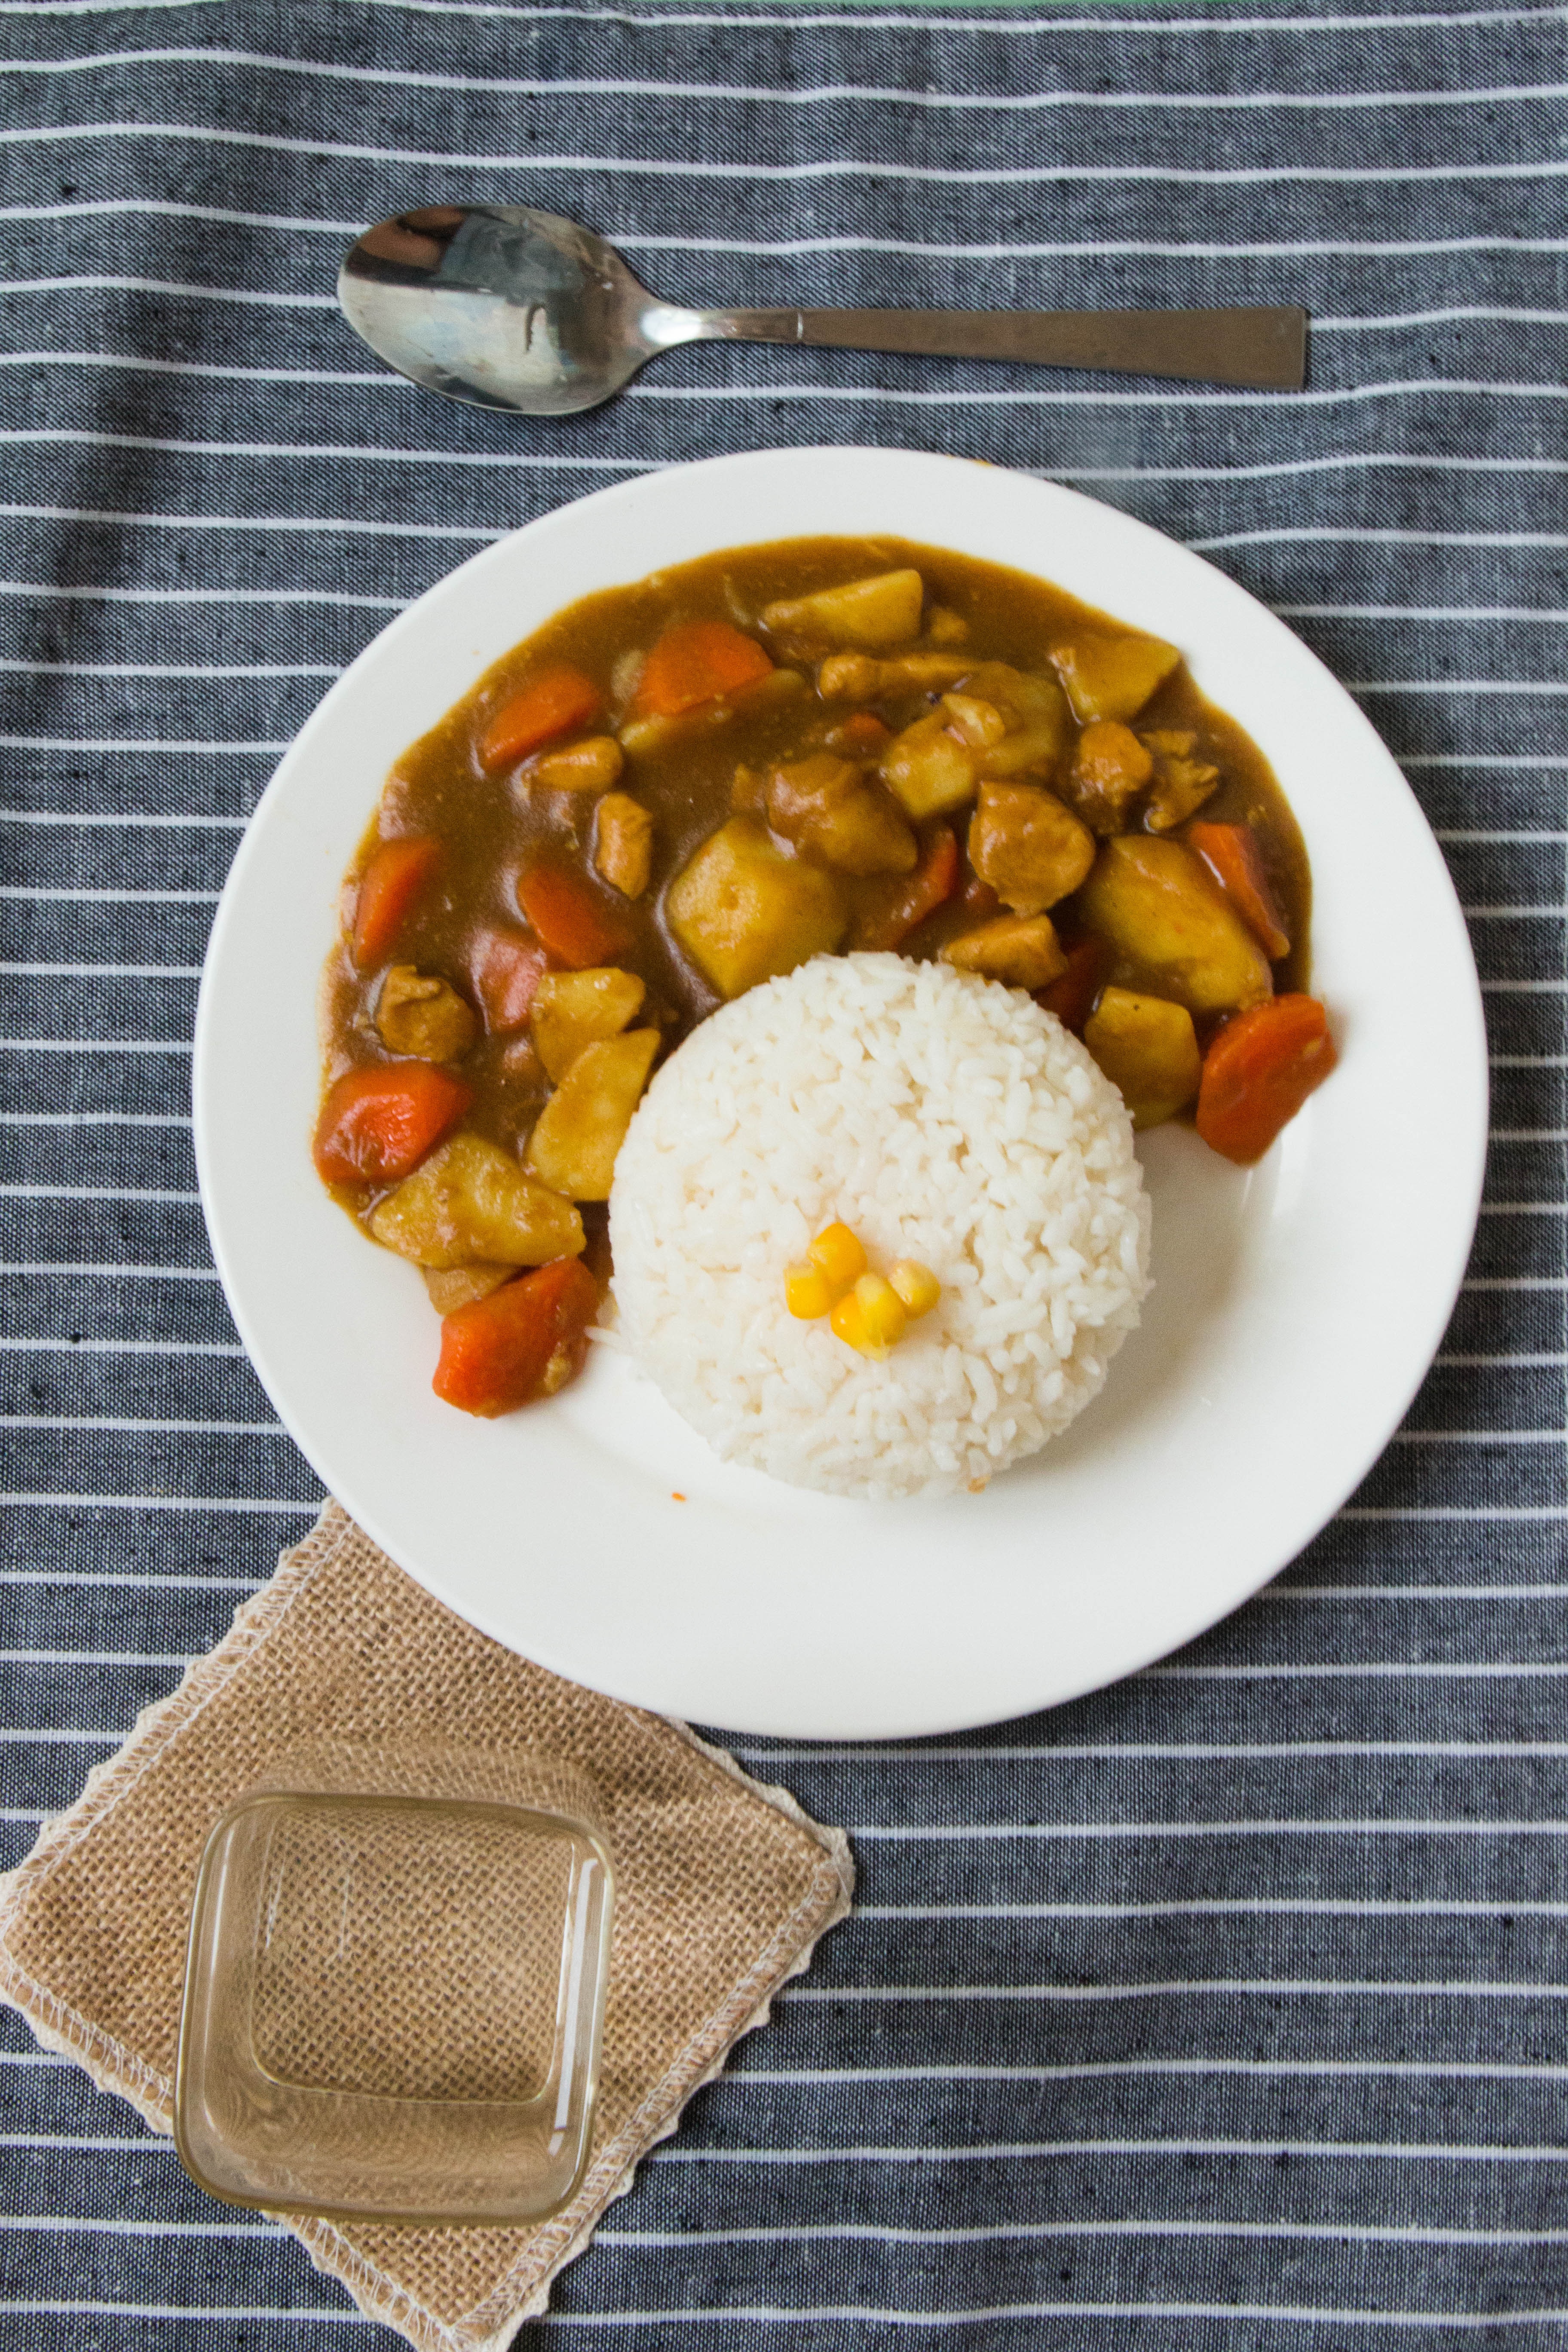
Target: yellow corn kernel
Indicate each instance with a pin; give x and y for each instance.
(806, 1291)
(916, 1285)
(870, 1317)
(838, 1255)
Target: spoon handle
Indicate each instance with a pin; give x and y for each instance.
(1267, 347)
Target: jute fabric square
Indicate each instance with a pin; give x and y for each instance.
(722, 1888)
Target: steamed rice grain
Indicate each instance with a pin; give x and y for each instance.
(941, 1116)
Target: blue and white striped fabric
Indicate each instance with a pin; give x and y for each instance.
(1224, 2009)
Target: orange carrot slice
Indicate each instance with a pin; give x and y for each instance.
(695, 662)
(569, 919)
(506, 968)
(1071, 996)
(525, 1341)
(1231, 853)
(1258, 1072)
(394, 878)
(378, 1123)
(548, 704)
(888, 922)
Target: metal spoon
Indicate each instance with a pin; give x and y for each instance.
(508, 307)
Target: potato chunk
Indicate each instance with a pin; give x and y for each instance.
(450, 1287)
(623, 844)
(1154, 905)
(1036, 711)
(979, 724)
(1109, 768)
(883, 610)
(1147, 1047)
(1031, 849)
(471, 1204)
(743, 912)
(928, 770)
(1022, 949)
(1113, 677)
(573, 1145)
(827, 808)
(573, 1009)
(423, 1017)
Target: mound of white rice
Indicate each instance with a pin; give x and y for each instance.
(943, 1118)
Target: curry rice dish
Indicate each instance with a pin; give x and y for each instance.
(677, 790)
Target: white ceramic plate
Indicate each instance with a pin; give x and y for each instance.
(1298, 1304)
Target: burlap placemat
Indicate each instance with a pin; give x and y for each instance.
(722, 1888)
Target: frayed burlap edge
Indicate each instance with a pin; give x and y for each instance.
(523, 2292)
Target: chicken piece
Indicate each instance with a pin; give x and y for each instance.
(979, 724)
(859, 677)
(872, 613)
(1160, 911)
(450, 1287)
(623, 844)
(1021, 950)
(1109, 768)
(591, 766)
(1181, 782)
(928, 770)
(423, 1017)
(573, 1009)
(1113, 677)
(573, 1145)
(834, 816)
(743, 912)
(471, 1204)
(1148, 1047)
(1028, 847)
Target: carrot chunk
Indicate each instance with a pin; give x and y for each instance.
(525, 1341)
(506, 969)
(695, 662)
(1258, 1072)
(569, 918)
(1071, 996)
(906, 904)
(548, 704)
(390, 884)
(378, 1123)
(1231, 853)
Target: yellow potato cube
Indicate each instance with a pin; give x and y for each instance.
(1147, 1047)
(578, 1131)
(471, 1204)
(837, 1253)
(928, 770)
(1023, 950)
(1113, 677)
(1155, 905)
(807, 1292)
(876, 612)
(916, 1285)
(743, 912)
(573, 1009)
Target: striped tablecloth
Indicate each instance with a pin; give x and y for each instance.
(1223, 2010)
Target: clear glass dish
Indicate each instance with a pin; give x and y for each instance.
(394, 1990)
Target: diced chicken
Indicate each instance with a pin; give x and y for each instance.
(471, 1204)
(573, 1009)
(1109, 770)
(1113, 677)
(573, 1145)
(979, 724)
(591, 766)
(1147, 1047)
(450, 1287)
(1181, 782)
(859, 677)
(422, 1016)
(928, 770)
(1028, 847)
(1161, 913)
(883, 610)
(833, 815)
(623, 844)
(743, 912)
(1022, 949)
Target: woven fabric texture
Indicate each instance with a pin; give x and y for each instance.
(719, 1896)
(1223, 2010)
